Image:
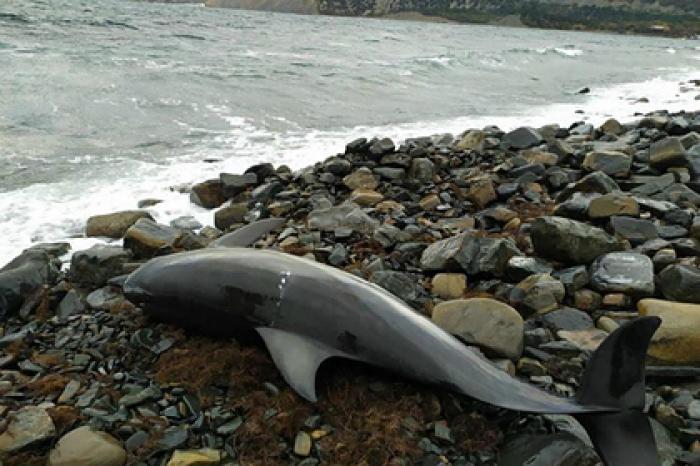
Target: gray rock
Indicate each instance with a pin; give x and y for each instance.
(680, 283)
(609, 162)
(490, 324)
(146, 238)
(666, 153)
(522, 138)
(186, 222)
(573, 278)
(381, 147)
(576, 206)
(521, 267)
(346, 215)
(571, 241)
(93, 267)
(596, 182)
(401, 285)
(22, 276)
(422, 170)
(634, 230)
(390, 173)
(566, 318)
(560, 449)
(623, 272)
(538, 293)
(474, 255)
(233, 185)
(151, 392)
(71, 304)
(27, 426)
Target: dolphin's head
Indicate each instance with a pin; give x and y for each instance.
(137, 288)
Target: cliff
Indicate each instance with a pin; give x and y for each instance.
(668, 17)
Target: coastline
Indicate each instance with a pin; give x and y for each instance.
(563, 232)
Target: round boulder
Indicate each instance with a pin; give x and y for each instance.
(86, 447)
(490, 324)
(677, 341)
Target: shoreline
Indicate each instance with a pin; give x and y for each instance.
(561, 232)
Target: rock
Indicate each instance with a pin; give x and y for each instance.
(521, 267)
(540, 157)
(560, 449)
(612, 204)
(93, 267)
(584, 340)
(449, 285)
(680, 283)
(147, 238)
(473, 254)
(422, 170)
(522, 138)
(366, 197)
(347, 215)
(666, 153)
(86, 447)
(677, 341)
(150, 202)
(624, 272)
(429, 202)
(481, 192)
(265, 192)
(359, 145)
(612, 126)
(573, 278)
(634, 230)
(471, 140)
(381, 147)
(401, 285)
(539, 293)
(114, 225)
(28, 426)
(22, 276)
(593, 183)
(485, 322)
(566, 318)
(201, 457)
(230, 215)
(302, 444)
(362, 178)
(232, 185)
(571, 241)
(262, 171)
(186, 222)
(611, 163)
(71, 304)
(208, 194)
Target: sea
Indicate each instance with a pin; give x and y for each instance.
(107, 102)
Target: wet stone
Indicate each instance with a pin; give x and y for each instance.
(623, 272)
(680, 283)
(636, 231)
(521, 267)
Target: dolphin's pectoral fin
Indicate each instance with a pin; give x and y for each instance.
(298, 358)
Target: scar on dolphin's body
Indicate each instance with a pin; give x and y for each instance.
(306, 313)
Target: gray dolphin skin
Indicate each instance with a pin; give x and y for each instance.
(307, 313)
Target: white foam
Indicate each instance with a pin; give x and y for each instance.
(58, 211)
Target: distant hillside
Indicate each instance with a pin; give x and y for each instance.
(668, 17)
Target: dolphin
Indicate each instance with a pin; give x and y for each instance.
(307, 313)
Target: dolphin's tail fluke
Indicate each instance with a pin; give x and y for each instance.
(614, 378)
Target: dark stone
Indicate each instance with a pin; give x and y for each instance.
(573, 278)
(357, 146)
(231, 215)
(24, 275)
(576, 206)
(262, 171)
(680, 283)
(636, 231)
(235, 184)
(401, 285)
(71, 304)
(623, 272)
(474, 255)
(667, 153)
(570, 241)
(671, 231)
(521, 267)
(146, 239)
(596, 182)
(208, 194)
(95, 266)
(265, 192)
(381, 147)
(566, 318)
(561, 449)
(337, 166)
(522, 138)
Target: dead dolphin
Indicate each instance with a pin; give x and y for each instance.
(307, 312)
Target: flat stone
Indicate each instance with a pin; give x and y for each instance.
(593, 183)
(566, 318)
(571, 241)
(680, 283)
(521, 267)
(449, 285)
(612, 204)
(366, 197)
(302, 444)
(201, 457)
(233, 184)
(481, 192)
(401, 285)
(114, 225)
(208, 194)
(186, 222)
(624, 272)
(485, 322)
(611, 163)
(347, 215)
(23, 276)
(634, 230)
(87, 447)
(677, 341)
(560, 449)
(147, 238)
(93, 267)
(573, 278)
(584, 340)
(27, 426)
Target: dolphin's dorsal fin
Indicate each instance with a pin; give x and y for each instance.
(297, 357)
(247, 235)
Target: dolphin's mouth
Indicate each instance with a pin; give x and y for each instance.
(134, 293)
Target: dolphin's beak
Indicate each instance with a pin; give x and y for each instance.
(134, 292)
